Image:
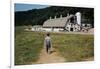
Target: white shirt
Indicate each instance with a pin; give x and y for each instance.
(47, 40)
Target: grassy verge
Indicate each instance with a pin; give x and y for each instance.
(74, 47)
(27, 46)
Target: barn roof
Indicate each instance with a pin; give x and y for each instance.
(58, 22)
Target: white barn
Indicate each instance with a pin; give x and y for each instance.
(61, 24)
(70, 23)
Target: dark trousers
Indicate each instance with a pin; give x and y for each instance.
(47, 48)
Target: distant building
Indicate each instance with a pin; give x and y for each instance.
(68, 23)
(37, 28)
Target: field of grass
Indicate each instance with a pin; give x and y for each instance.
(27, 46)
(73, 47)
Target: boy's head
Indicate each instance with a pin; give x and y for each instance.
(48, 34)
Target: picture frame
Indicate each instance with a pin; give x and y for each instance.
(12, 38)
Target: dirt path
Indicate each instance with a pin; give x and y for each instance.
(50, 58)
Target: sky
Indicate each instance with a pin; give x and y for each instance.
(25, 7)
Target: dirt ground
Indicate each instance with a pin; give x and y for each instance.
(53, 57)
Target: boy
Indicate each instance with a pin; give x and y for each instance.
(47, 43)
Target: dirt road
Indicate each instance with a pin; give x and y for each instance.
(54, 57)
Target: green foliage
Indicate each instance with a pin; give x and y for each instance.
(38, 16)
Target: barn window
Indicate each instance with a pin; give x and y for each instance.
(71, 29)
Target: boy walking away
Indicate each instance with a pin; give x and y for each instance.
(47, 43)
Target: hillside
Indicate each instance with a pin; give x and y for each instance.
(38, 16)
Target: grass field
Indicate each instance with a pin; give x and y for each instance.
(73, 47)
(27, 46)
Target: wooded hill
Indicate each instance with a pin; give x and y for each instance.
(38, 16)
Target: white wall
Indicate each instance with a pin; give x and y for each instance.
(47, 29)
(57, 29)
(50, 29)
(36, 29)
(68, 25)
(73, 26)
